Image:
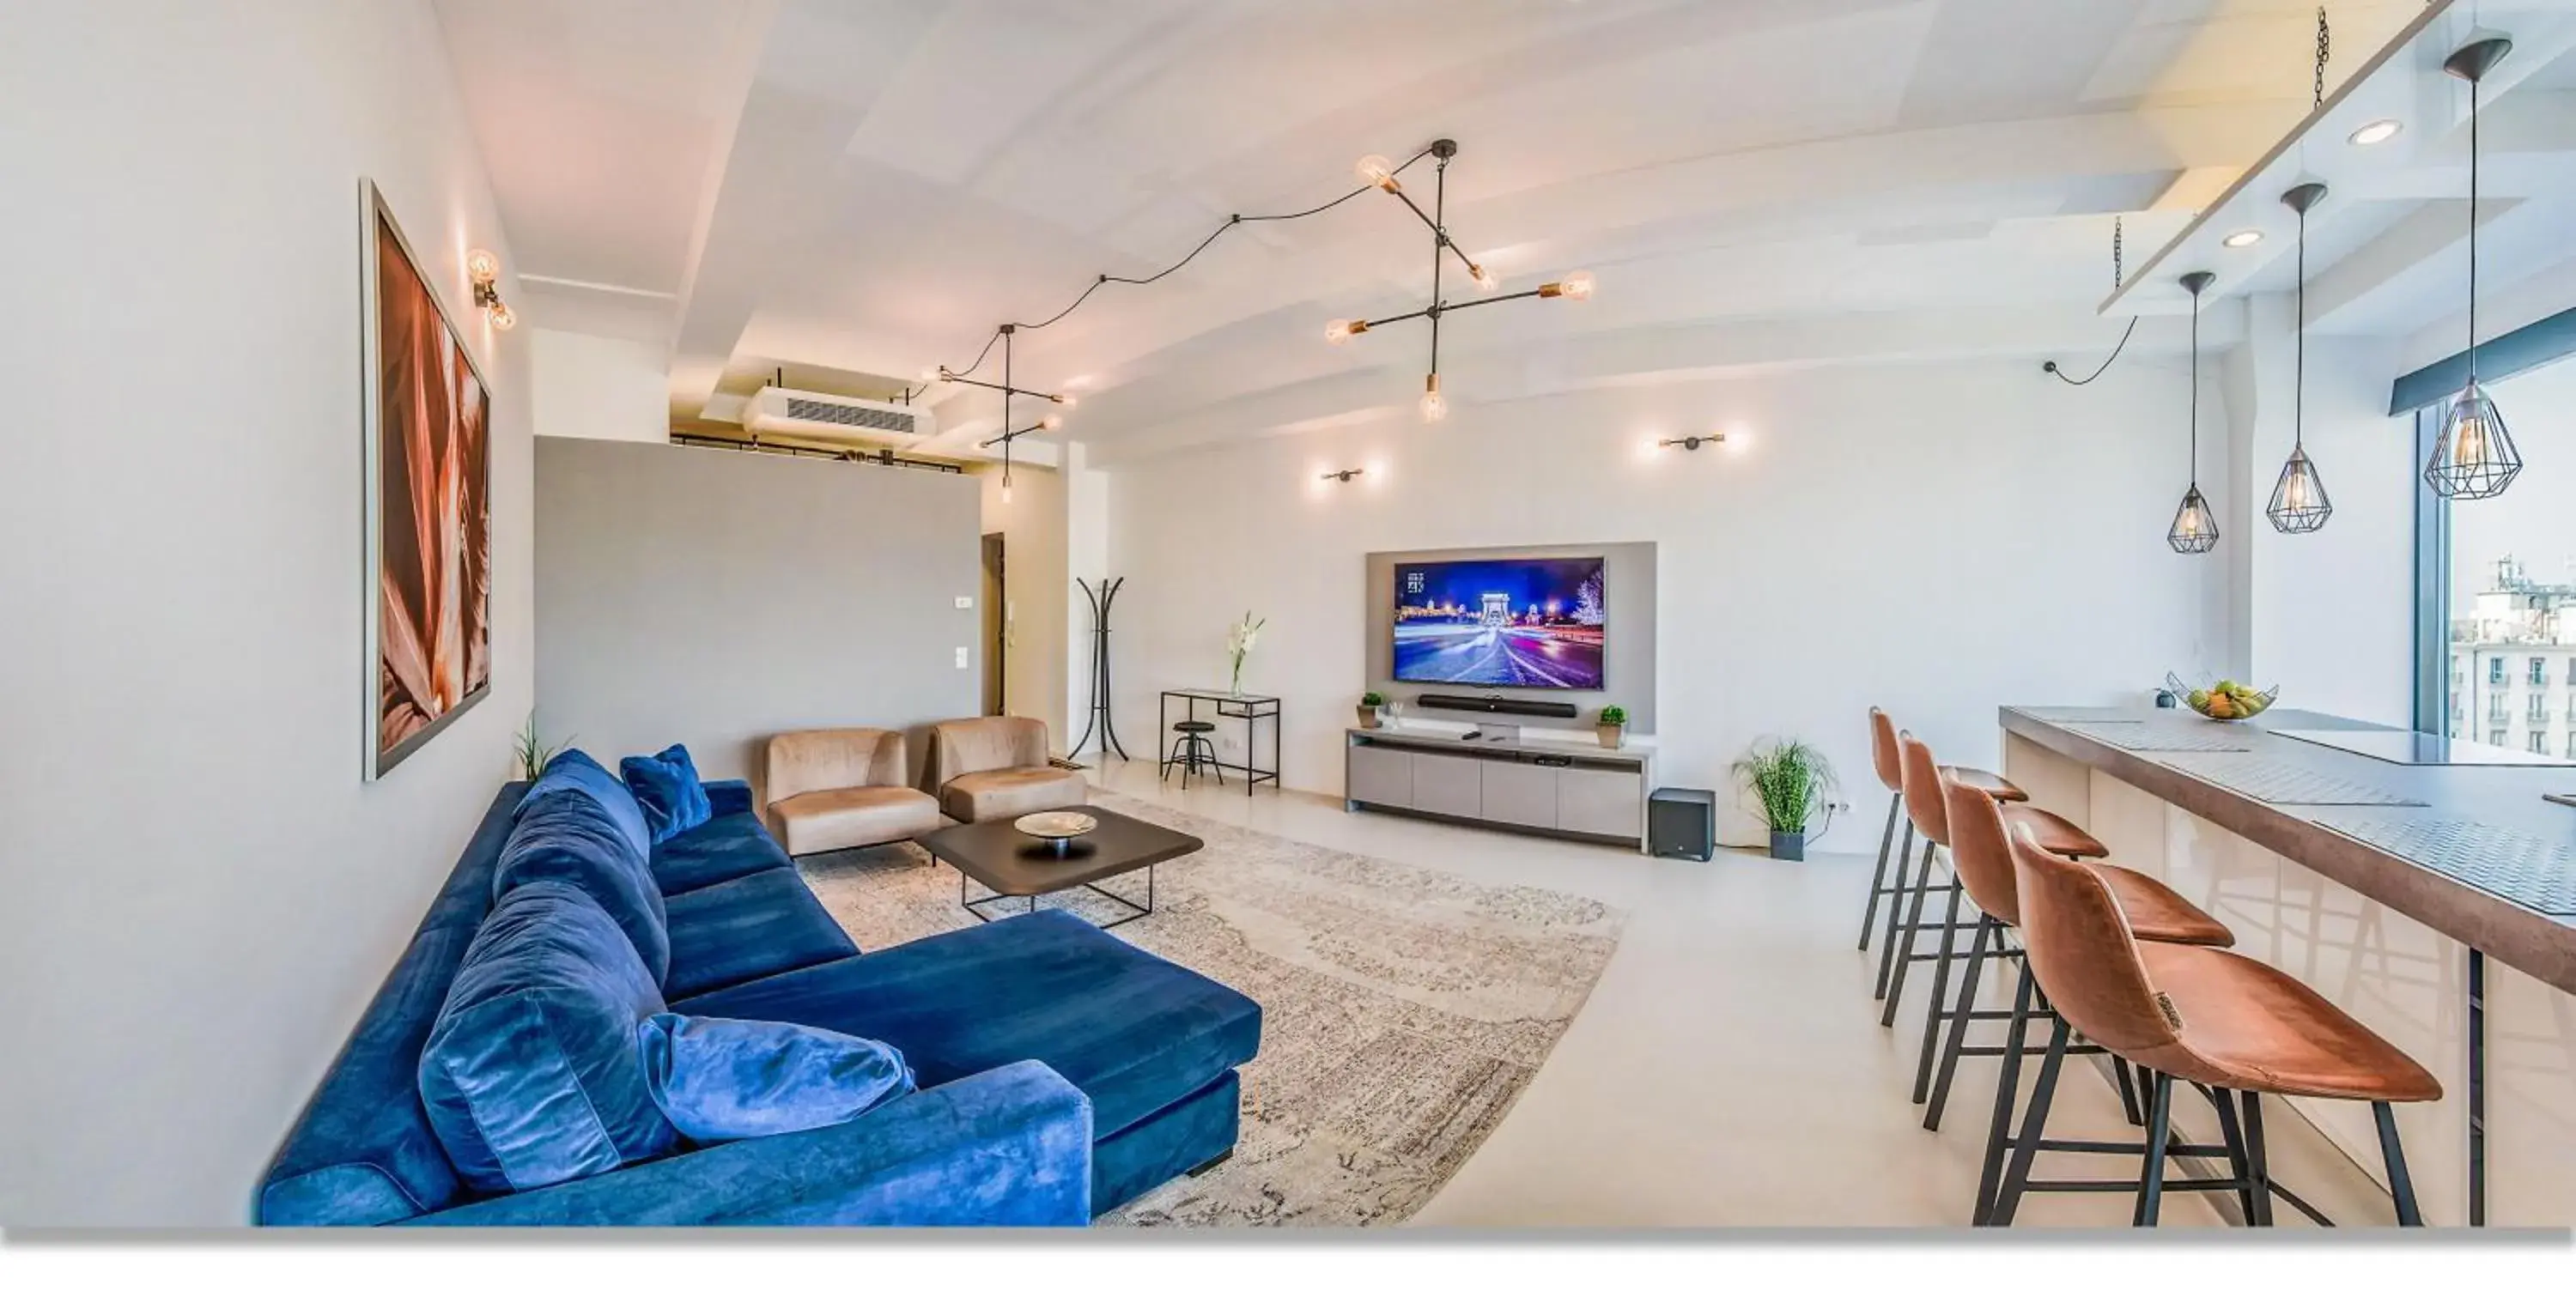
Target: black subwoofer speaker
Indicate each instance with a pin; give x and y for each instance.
(1681, 822)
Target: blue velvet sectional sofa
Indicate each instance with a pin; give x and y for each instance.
(1061, 1072)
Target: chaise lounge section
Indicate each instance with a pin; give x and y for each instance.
(1061, 1072)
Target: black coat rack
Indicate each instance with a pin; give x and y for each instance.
(1101, 598)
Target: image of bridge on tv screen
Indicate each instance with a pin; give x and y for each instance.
(1523, 623)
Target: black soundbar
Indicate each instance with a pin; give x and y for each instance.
(1498, 704)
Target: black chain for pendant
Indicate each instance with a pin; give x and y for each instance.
(2119, 279)
(2325, 53)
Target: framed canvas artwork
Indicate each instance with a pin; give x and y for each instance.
(428, 504)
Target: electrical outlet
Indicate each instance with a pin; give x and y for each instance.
(965, 602)
(961, 656)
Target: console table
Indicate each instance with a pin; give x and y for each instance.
(1251, 710)
(1561, 789)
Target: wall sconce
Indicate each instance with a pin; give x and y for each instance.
(485, 269)
(1690, 443)
(1345, 476)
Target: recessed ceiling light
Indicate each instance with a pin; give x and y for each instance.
(2245, 238)
(2377, 132)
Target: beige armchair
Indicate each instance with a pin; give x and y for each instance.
(827, 790)
(989, 768)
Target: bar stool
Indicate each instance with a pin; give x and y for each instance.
(1921, 778)
(1981, 850)
(1884, 759)
(1193, 752)
(2235, 1027)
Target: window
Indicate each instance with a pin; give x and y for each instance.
(2538, 709)
(2571, 746)
(2539, 671)
(2571, 670)
(2495, 671)
(2496, 738)
(2539, 743)
(2496, 715)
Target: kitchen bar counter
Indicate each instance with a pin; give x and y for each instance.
(2445, 955)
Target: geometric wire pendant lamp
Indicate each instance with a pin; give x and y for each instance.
(2299, 503)
(2474, 457)
(2195, 528)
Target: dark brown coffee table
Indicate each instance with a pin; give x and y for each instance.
(1014, 865)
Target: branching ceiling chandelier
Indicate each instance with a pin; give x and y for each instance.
(1381, 174)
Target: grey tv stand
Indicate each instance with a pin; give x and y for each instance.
(1560, 789)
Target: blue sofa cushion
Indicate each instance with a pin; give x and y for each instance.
(569, 838)
(531, 1075)
(575, 772)
(363, 1152)
(666, 786)
(1134, 1032)
(720, 1079)
(727, 847)
(754, 926)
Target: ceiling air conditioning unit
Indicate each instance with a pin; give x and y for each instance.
(807, 414)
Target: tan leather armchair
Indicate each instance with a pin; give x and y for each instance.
(829, 790)
(989, 768)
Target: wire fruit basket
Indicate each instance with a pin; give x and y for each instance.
(2222, 701)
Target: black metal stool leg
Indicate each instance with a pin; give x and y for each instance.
(2006, 1085)
(2034, 1122)
(1878, 877)
(2232, 1130)
(2151, 1182)
(2129, 1104)
(2401, 1186)
(1989, 930)
(1905, 947)
(1895, 910)
(2256, 1165)
(1940, 995)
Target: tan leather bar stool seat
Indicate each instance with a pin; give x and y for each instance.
(2249, 1026)
(1988, 783)
(2158, 913)
(2054, 832)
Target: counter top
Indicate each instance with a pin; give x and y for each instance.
(2220, 786)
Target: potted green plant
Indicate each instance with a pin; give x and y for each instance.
(532, 753)
(1369, 704)
(1792, 782)
(1613, 727)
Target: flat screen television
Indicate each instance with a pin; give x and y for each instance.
(1531, 624)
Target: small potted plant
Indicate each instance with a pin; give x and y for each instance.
(1791, 781)
(1369, 704)
(1613, 727)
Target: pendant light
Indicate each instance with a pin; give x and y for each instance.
(2195, 529)
(2474, 457)
(2299, 502)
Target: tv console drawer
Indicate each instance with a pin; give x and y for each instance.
(1519, 793)
(1513, 786)
(1448, 784)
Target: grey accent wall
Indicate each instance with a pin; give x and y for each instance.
(1628, 666)
(713, 598)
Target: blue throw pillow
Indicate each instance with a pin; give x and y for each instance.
(666, 786)
(569, 838)
(531, 1075)
(574, 771)
(728, 1078)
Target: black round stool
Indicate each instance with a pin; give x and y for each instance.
(1193, 752)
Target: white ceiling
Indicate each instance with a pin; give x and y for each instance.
(869, 187)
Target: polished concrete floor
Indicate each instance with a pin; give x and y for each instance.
(1729, 1070)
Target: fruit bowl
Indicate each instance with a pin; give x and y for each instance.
(2223, 701)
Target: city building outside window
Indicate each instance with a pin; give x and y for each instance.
(2540, 743)
(2495, 671)
(2539, 671)
(2539, 709)
(2496, 737)
(2496, 715)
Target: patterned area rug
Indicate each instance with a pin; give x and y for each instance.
(1403, 1009)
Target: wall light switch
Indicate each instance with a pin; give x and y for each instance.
(961, 656)
(965, 602)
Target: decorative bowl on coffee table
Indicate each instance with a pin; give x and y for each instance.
(1057, 829)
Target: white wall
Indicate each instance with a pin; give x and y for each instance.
(1032, 525)
(1935, 539)
(201, 893)
(599, 387)
(2329, 615)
